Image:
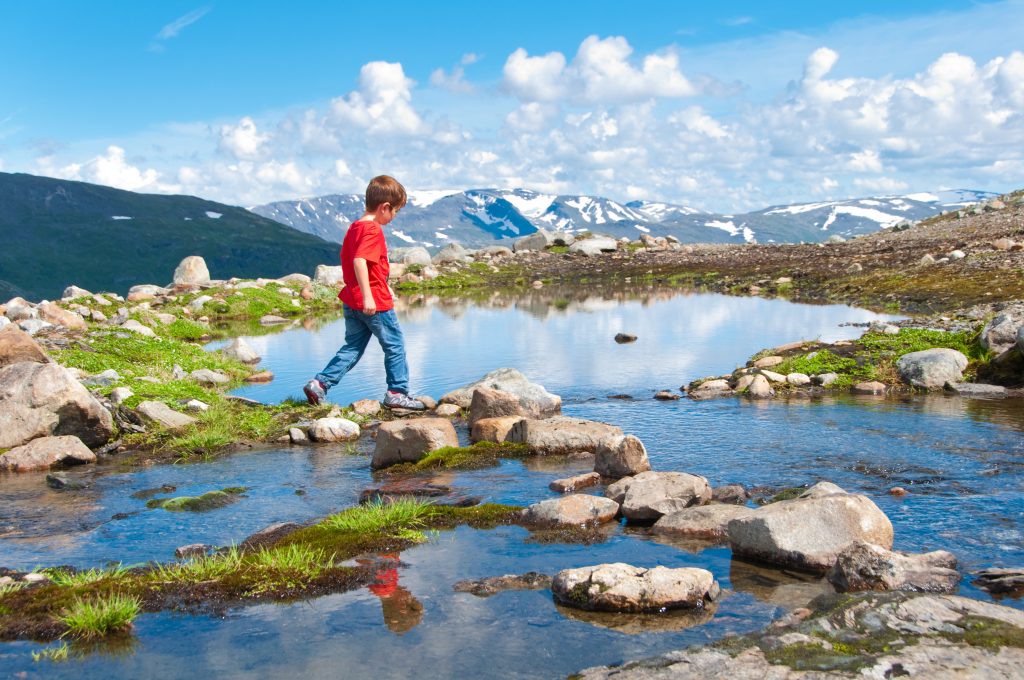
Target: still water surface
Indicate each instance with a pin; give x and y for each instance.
(961, 459)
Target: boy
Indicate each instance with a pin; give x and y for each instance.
(367, 302)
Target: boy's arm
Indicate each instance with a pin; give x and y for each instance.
(363, 279)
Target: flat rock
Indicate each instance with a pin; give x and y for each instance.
(618, 457)
(333, 430)
(507, 380)
(711, 389)
(863, 566)
(768, 362)
(260, 377)
(560, 434)
(272, 320)
(136, 327)
(577, 509)
(38, 400)
(163, 415)
(932, 368)
(809, 533)
(622, 587)
(16, 346)
(649, 495)
(488, 429)
(46, 452)
(447, 410)
(707, 522)
(409, 441)
(666, 395)
(365, 407)
(1000, 580)
(978, 390)
(58, 316)
(594, 246)
(869, 387)
(571, 484)
(205, 376)
(730, 493)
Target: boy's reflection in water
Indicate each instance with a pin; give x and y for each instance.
(402, 611)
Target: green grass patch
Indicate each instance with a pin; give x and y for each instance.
(478, 455)
(200, 569)
(69, 578)
(102, 615)
(379, 518)
(183, 329)
(137, 355)
(558, 250)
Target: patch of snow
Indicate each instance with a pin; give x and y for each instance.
(530, 207)
(421, 199)
(868, 201)
(642, 228)
(188, 219)
(214, 215)
(402, 235)
(923, 197)
(831, 218)
(298, 208)
(438, 234)
(748, 234)
(724, 226)
(797, 209)
(124, 217)
(882, 218)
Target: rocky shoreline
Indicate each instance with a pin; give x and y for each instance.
(124, 380)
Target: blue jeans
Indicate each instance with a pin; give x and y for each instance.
(358, 329)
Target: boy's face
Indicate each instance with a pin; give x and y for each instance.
(387, 213)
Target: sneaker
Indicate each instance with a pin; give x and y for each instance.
(400, 400)
(315, 392)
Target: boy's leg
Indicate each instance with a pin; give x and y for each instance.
(389, 334)
(357, 335)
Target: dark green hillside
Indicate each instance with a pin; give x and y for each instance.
(54, 233)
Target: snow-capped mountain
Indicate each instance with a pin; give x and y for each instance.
(480, 217)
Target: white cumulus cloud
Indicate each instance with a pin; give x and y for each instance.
(383, 102)
(242, 140)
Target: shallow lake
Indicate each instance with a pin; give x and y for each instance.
(961, 460)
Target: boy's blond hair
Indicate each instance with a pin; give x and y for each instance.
(384, 189)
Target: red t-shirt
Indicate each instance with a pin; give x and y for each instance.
(365, 239)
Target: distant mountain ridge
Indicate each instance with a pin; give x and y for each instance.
(479, 217)
(57, 232)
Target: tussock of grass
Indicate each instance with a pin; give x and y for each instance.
(200, 569)
(183, 329)
(91, 618)
(481, 454)
(67, 578)
(380, 518)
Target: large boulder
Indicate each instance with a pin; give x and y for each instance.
(451, 253)
(809, 533)
(489, 429)
(417, 255)
(491, 403)
(163, 415)
(561, 435)
(578, 509)
(57, 315)
(402, 441)
(16, 346)
(932, 368)
(192, 271)
(706, 522)
(596, 245)
(333, 430)
(649, 495)
(622, 587)
(621, 457)
(328, 276)
(507, 380)
(46, 452)
(1000, 333)
(863, 566)
(539, 240)
(38, 400)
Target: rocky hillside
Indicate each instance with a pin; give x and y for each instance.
(480, 217)
(57, 231)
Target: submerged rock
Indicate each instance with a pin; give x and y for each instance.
(571, 484)
(622, 587)
(649, 495)
(863, 566)
(485, 587)
(1010, 580)
(211, 500)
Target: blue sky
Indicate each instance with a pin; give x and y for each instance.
(726, 107)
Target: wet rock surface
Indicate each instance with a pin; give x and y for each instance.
(863, 566)
(575, 509)
(877, 635)
(709, 522)
(649, 495)
(492, 585)
(561, 434)
(409, 441)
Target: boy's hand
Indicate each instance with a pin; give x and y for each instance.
(369, 306)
